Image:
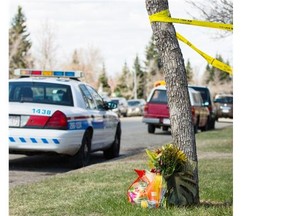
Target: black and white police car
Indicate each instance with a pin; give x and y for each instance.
(54, 112)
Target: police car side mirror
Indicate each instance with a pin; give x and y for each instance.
(110, 105)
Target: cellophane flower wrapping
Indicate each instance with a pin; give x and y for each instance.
(167, 164)
(147, 190)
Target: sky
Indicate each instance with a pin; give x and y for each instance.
(119, 29)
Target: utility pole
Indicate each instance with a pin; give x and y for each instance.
(135, 84)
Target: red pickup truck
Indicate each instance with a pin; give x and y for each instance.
(156, 110)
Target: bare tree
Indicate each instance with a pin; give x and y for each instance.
(88, 60)
(92, 62)
(214, 11)
(176, 83)
(218, 85)
(47, 47)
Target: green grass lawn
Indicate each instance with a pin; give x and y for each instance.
(101, 189)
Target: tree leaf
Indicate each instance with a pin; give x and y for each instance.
(181, 189)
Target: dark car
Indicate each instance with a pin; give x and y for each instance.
(206, 97)
(224, 106)
(122, 106)
(135, 107)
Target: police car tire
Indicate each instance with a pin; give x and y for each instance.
(82, 158)
(114, 150)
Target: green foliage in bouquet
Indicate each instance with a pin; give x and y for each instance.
(167, 160)
(181, 189)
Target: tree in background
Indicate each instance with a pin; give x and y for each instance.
(88, 60)
(46, 56)
(153, 66)
(214, 11)
(142, 79)
(91, 63)
(103, 82)
(75, 64)
(153, 61)
(139, 79)
(19, 43)
(124, 87)
(189, 72)
(218, 81)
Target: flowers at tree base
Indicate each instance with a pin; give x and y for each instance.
(167, 160)
(177, 171)
(169, 181)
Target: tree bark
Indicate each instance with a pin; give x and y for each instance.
(176, 84)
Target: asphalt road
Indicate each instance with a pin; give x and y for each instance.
(135, 138)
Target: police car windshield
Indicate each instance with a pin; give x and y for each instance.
(40, 92)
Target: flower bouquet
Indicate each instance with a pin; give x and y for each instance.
(166, 160)
(169, 181)
(177, 171)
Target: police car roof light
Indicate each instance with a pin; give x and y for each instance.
(48, 73)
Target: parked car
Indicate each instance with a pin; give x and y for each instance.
(208, 102)
(135, 107)
(224, 106)
(156, 111)
(122, 106)
(54, 112)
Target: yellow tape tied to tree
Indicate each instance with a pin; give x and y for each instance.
(164, 16)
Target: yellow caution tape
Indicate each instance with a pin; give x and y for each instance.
(213, 61)
(164, 16)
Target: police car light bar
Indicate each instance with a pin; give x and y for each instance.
(48, 73)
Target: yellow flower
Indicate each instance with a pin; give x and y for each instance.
(144, 204)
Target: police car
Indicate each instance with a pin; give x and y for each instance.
(54, 112)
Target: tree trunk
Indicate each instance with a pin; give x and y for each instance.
(177, 87)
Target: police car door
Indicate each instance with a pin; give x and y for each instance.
(109, 122)
(97, 118)
(106, 120)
